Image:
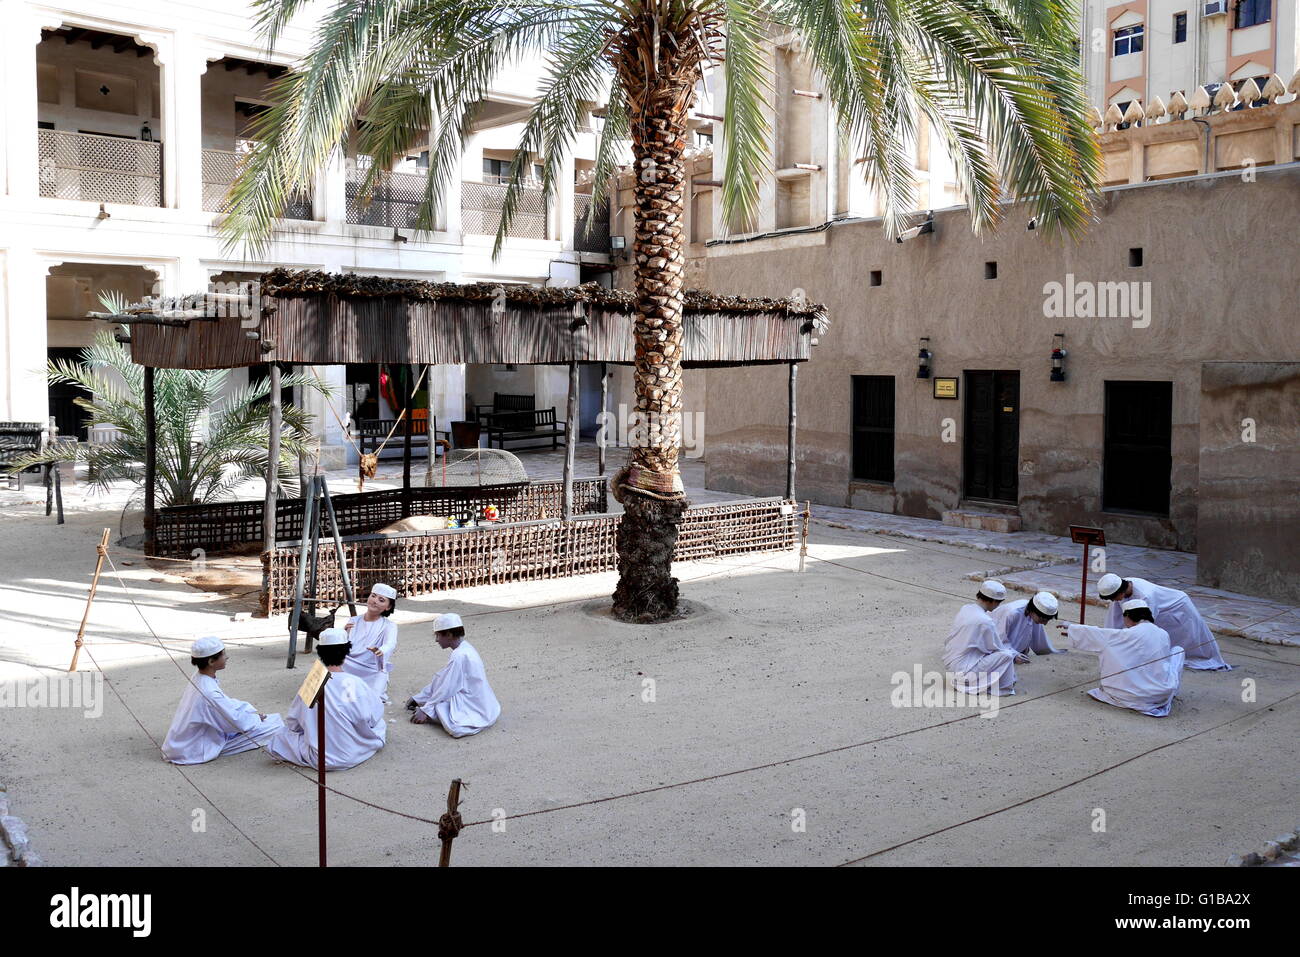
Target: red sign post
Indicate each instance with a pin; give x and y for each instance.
(1088, 537)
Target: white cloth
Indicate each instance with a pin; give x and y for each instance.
(362, 662)
(1175, 613)
(974, 652)
(1139, 668)
(459, 695)
(1018, 631)
(354, 726)
(208, 724)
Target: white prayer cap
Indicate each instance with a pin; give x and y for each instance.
(1134, 603)
(1045, 603)
(1108, 584)
(333, 636)
(207, 647)
(447, 622)
(993, 590)
(385, 591)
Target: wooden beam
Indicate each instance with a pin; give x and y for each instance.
(150, 463)
(604, 423)
(570, 440)
(272, 473)
(790, 435)
(231, 64)
(408, 392)
(73, 35)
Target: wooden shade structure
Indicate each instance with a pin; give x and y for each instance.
(315, 318)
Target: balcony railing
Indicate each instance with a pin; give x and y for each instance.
(395, 200)
(480, 211)
(100, 169)
(221, 167)
(596, 238)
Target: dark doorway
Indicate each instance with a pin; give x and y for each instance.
(70, 418)
(1138, 447)
(992, 449)
(588, 399)
(262, 371)
(873, 428)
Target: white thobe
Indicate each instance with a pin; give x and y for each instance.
(365, 664)
(1175, 613)
(1139, 668)
(208, 724)
(459, 695)
(1018, 631)
(354, 726)
(974, 652)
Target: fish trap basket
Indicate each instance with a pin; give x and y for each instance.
(462, 467)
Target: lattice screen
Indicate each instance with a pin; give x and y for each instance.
(595, 239)
(395, 201)
(100, 169)
(220, 167)
(480, 211)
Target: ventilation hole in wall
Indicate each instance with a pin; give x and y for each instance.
(875, 277)
(991, 270)
(1135, 256)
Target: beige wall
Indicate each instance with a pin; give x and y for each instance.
(1218, 254)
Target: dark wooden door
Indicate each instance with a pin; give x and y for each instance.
(873, 428)
(1138, 447)
(70, 418)
(992, 436)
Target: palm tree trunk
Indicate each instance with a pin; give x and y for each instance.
(650, 487)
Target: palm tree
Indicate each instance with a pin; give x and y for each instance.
(996, 79)
(234, 447)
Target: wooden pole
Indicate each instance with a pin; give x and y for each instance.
(604, 423)
(408, 392)
(803, 549)
(570, 440)
(348, 593)
(150, 463)
(308, 504)
(449, 824)
(789, 440)
(315, 550)
(1083, 588)
(58, 492)
(272, 477)
(102, 551)
(320, 768)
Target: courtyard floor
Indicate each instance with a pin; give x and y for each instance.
(760, 729)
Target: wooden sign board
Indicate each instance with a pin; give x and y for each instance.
(313, 683)
(945, 388)
(1086, 535)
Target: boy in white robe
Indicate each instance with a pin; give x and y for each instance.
(976, 658)
(1021, 623)
(1139, 668)
(459, 696)
(374, 640)
(354, 716)
(208, 723)
(1173, 611)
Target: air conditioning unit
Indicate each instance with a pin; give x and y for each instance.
(1215, 8)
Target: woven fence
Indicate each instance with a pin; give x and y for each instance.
(418, 563)
(228, 525)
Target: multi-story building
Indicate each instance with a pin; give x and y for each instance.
(123, 126)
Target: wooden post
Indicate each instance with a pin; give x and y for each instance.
(320, 768)
(272, 479)
(150, 463)
(102, 551)
(449, 824)
(348, 593)
(308, 504)
(408, 392)
(58, 492)
(604, 423)
(789, 440)
(1083, 588)
(570, 440)
(315, 551)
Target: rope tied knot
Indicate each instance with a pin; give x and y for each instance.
(101, 551)
(449, 825)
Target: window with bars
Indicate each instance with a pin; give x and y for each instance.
(1180, 27)
(873, 428)
(1129, 39)
(1249, 13)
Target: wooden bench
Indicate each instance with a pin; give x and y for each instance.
(372, 432)
(18, 439)
(504, 402)
(524, 426)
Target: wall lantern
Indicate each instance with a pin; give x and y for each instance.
(1058, 357)
(146, 133)
(924, 355)
(618, 246)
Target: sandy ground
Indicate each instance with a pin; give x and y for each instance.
(774, 665)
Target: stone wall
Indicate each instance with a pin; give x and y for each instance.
(1248, 515)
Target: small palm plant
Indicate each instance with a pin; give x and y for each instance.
(191, 471)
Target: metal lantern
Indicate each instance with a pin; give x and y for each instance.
(1058, 357)
(924, 355)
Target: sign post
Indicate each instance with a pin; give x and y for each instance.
(1088, 537)
(312, 694)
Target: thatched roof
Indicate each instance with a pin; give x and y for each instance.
(321, 318)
